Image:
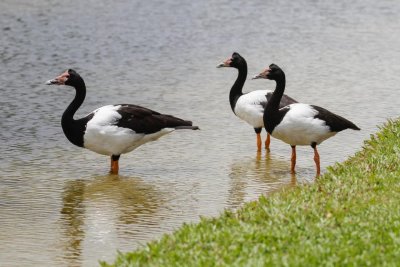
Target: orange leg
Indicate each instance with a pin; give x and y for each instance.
(259, 142)
(316, 159)
(114, 164)
(267, 141)
(293, 160)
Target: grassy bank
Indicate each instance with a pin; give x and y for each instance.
(349, 217)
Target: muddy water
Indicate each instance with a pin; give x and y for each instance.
(58, 206)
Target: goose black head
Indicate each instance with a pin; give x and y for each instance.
(273, 72)
(234, 61)
(69, 77)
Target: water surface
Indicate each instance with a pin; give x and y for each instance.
(58, 206)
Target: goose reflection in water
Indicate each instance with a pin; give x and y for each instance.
(99, 212)
(253, 176)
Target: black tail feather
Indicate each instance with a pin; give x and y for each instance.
(187, 128)
(335, 122)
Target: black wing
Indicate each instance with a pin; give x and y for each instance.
(147, 121)
(285, 101)
(335, 122)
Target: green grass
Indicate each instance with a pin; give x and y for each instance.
(349, 217)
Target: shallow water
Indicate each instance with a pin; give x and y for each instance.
(58, 206)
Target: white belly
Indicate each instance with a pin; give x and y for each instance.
(299, 127)
(249, 108)
(113, 140)
(103, 137)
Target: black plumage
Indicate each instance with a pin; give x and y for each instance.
(249, 106)
(147, 121)
(335, 122)
(299, 124)
(107, 130)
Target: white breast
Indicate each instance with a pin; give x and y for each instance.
(104, 137)
(299, 127)
(249, 107)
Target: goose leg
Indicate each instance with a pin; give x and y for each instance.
(114, 164)
(316, 158)
(267, 141)
(293, 160)
(259, 142)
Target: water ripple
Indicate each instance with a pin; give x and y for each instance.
(57, 206)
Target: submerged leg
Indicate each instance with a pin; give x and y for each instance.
(259, 142)
(316, 158)
(114, 164)
(293, 160)
(267, 141)
(258, 132)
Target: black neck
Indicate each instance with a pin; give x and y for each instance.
(74, 129)
(272, 115)
(273, 102)
(236, 90)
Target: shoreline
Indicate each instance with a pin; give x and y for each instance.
(349, 216)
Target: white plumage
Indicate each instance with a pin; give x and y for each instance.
(104, 137)
(300, 119)
(249, 107)
(299, 124)
(113, 130)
